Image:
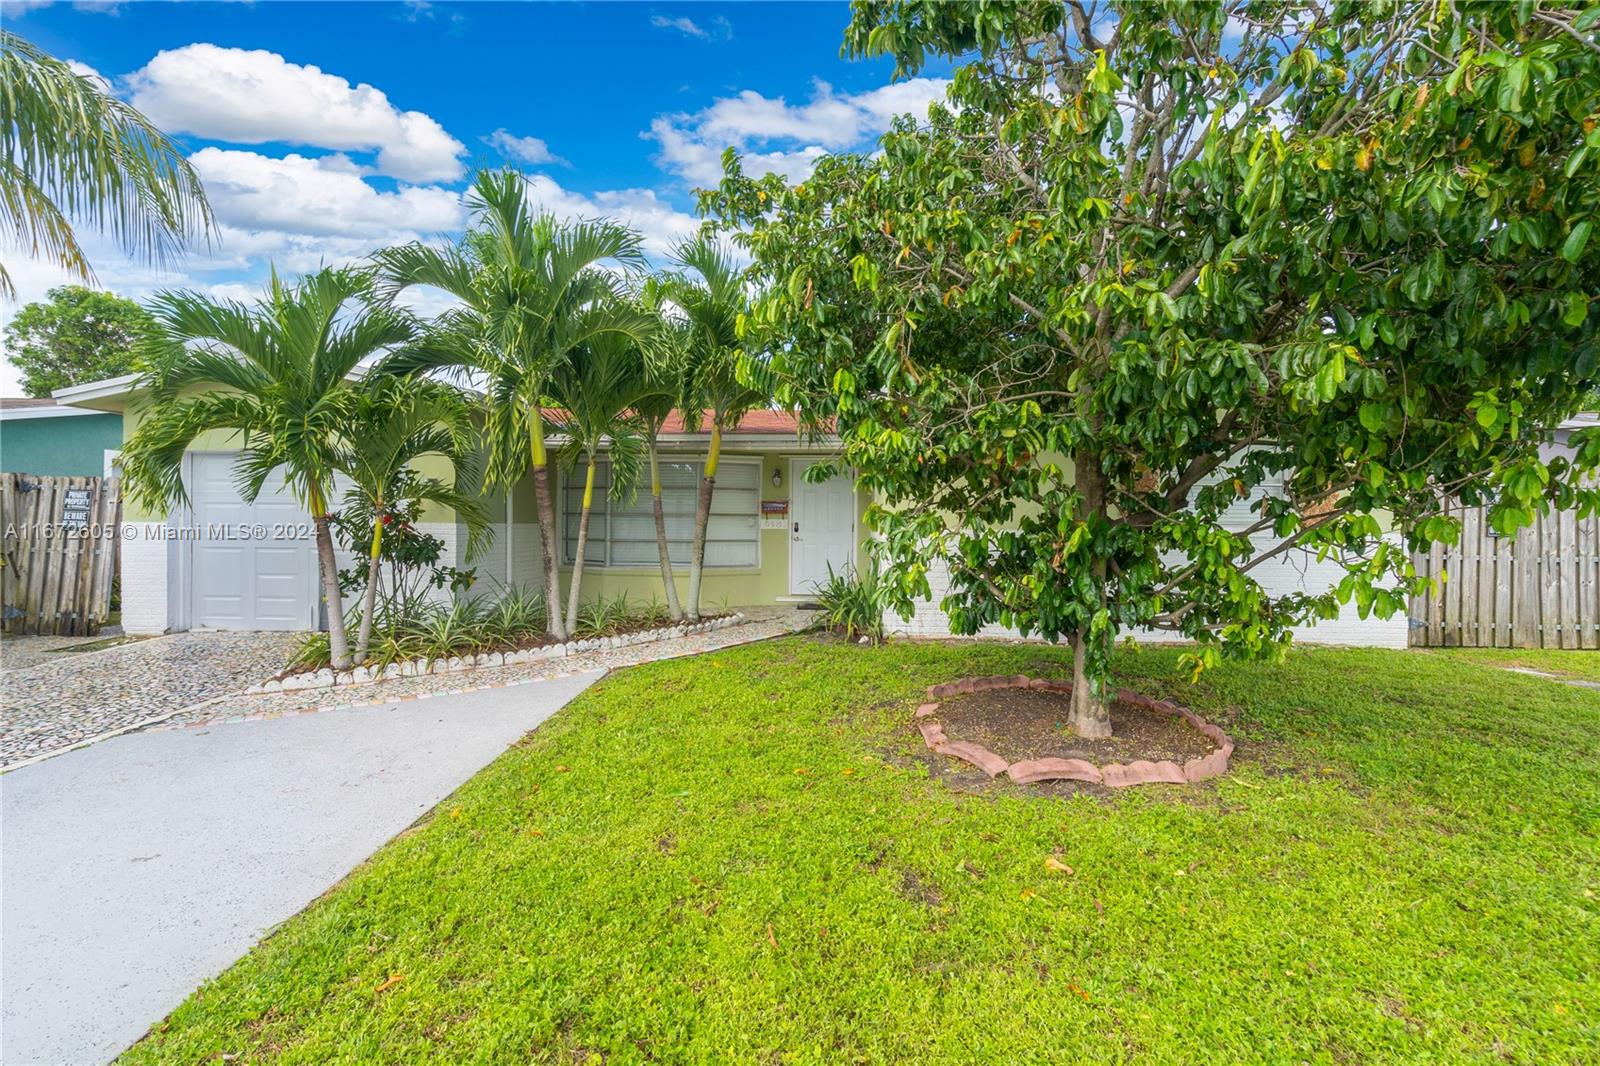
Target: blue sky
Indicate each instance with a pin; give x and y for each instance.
(325, 130)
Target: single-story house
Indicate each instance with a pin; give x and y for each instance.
(223, 563)
(49, 439)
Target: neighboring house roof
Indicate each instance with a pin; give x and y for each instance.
(14, 408)
(106, 394)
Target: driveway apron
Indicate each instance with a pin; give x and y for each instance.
(137, 868)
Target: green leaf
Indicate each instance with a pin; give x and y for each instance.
(1573, 246)
(1577, 309)
(1374, 416)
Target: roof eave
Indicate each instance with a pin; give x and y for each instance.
(107, 394)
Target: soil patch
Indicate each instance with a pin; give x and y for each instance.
(1005, 720)
(1020, 724)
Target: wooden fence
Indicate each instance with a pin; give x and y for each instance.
(60, 549)
(1539, 589)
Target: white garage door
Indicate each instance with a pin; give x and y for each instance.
(255, 564)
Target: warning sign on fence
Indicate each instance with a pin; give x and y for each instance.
(75, 507)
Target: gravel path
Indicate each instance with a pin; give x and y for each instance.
(763, 624)
(19, 653)
(72, 697)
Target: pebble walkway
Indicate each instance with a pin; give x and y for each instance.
(17, 653)
(75, 696)
(763, 624)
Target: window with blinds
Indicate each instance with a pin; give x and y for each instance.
(623, 533)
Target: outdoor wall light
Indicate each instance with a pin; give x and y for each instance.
(777, 478)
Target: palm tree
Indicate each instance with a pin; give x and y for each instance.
(278, 374)
(665, 369)
(71, 152)
(533, 290)
(709, 306)
(598, 391)
(393, 423)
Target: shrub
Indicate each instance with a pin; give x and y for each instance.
(517, 615)
(602, 617)
(853, 602)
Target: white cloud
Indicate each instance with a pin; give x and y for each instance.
(84, 70)
(531, 150)
(720, 28)
(661, 225)
(425, 301)
(424, 11)
(257, 97)
(234, 291)
(775, 136)
(321, 196)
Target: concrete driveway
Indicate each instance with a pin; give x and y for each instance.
(137, 868)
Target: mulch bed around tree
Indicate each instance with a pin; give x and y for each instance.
(1032, 724)
(1016, 725)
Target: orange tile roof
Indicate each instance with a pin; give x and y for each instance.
(761, 421)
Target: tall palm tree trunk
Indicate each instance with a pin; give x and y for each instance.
(583, 543)
(673, 606)
(338, 645)
(545, 504)
(369, 598)
(702, 518)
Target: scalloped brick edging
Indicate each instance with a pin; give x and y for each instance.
(1112, 775)
(366, 675)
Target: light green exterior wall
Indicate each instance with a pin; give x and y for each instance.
(744, 586)
(226, 441)
(737, 587)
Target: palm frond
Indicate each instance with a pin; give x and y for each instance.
(95, 160)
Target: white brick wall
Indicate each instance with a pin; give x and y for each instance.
(144, 578)
(1293, 570)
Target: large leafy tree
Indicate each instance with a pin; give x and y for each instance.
(76, 335)
(394, 424)
(1156, 257)
(709, 295)
(72, 154)
(532, 290)
(276, 374)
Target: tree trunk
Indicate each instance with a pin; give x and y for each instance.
(369, 598)
(673, 606)
(1091, 716)
(702, 518)
(583, 542)
(1091, 713)
(547, 531)
(338, 645)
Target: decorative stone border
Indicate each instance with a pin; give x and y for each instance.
(366, 675)
(1112, 775)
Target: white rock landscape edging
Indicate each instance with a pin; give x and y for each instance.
(366, 675)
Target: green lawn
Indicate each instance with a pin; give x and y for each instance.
(1576, 665)
(742, 858)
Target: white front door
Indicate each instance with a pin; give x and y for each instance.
(255, 564)
(822, 527)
